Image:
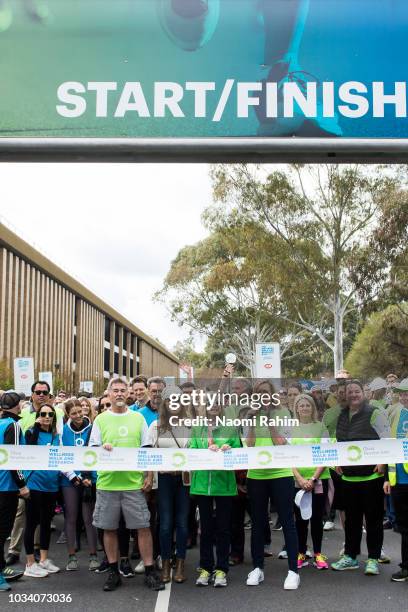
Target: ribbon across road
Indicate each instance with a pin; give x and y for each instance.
(67, 458)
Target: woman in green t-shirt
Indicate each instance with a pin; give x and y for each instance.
(275, 483)
(314, 479)
(214, 488)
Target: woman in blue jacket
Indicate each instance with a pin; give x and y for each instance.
(76, 432)
(43, 485)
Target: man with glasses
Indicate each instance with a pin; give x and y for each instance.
(40, 394)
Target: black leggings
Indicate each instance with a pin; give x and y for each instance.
(316, 521)
(39, 511)
(8, 510)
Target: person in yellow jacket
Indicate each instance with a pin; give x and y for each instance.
(396, 484)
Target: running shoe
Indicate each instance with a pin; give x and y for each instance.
(255, 577)
(190, 24)
(154, 582)
(220, 579)
(62, 539)
(401, 576)
(345, 563)
(140, 568)
(104, 567)
(283, 554)
(320, 562)
(35, 571)
(203, 579)
(72, 564)
(384, 558)
(292, 581)
(308, 554)
(328, 526)
(11, 574)
(302, 561)
(125, 569)
(49, 566)
(113, 581)
(4, 585)
(372, 568)
(93, 563)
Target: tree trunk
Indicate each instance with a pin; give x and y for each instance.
(338, 335)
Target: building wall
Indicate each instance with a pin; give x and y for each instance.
(42, 317)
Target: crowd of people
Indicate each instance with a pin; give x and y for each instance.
(155, 518)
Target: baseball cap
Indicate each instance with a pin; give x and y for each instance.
(11, 399)
(303, 500)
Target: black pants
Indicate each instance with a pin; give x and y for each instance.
(239, 506)
(316, 521)
(281, 490)
(364, 499)
(216, 527)
(400, 498)
(8, 510)
(39, 511)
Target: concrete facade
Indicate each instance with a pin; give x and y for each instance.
(48, 315)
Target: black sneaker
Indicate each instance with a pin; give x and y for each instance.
(125, 569)
(114, 580)
(400, 576)
(104, 566)
(153, 582)
(12, 559)
(11, 574)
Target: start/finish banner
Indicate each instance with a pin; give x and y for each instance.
(203, 68)
(123, 459)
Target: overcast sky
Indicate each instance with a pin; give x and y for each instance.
(116, 228)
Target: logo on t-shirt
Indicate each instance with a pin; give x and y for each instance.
(123, 431)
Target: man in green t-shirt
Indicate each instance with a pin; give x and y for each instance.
(123, 492)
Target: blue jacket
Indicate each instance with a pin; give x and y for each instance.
(10, 433)
(71, 437)
(42, 480)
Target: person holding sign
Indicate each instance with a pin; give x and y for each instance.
(43, 484)
(396, 484)
(362, 485)
(123, 492)
(313, 479)
(12, 483)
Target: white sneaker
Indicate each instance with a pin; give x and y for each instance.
(49, 566)
(292, 581)
(328, 526)
(159, 564)
(308, 554)
(283, 554)
(255, 577)
(35, 571)
(139, 569)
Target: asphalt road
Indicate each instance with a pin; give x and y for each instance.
(350, 591)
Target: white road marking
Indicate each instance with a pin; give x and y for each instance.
(163, 599)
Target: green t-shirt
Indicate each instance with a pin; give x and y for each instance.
(123, 430)
(330, 418)
(312, 433)
(28, 417)
(263, 438)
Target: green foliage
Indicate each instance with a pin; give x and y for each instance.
(382, 345)
(299, 252)
(6, 375)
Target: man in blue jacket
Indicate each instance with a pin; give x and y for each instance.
(12, 483)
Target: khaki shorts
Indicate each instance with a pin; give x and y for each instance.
(111, 504)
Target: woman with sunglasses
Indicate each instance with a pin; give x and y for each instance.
(103, 404)
(43, 485)
(78, 499)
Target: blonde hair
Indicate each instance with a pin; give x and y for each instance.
(308, 398)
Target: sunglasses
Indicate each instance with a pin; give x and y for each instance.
(47, 414)
(42, 392)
